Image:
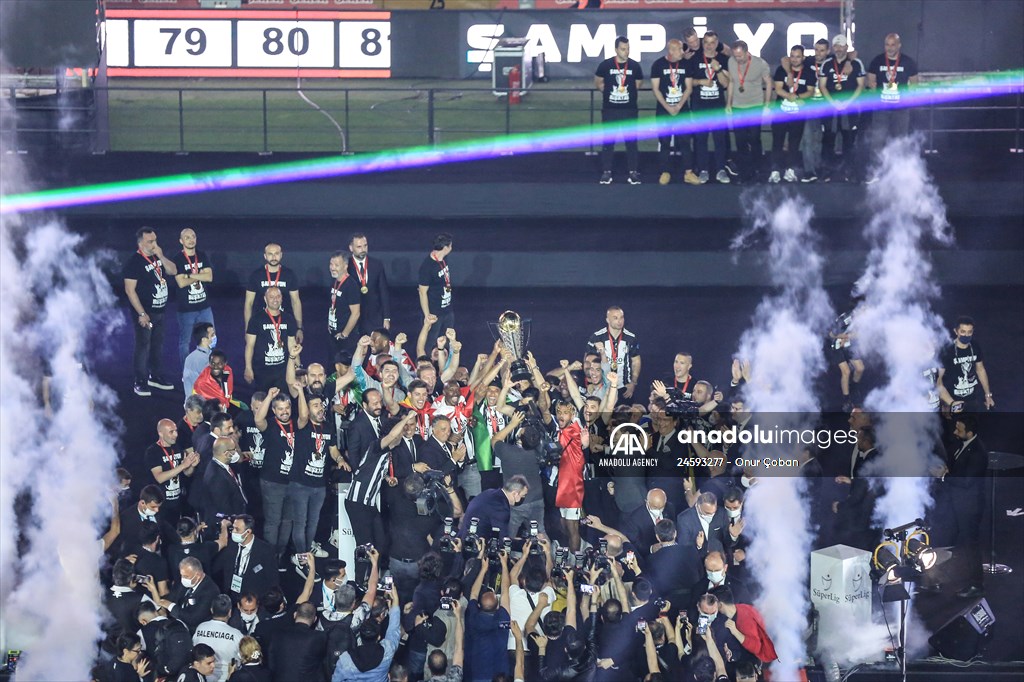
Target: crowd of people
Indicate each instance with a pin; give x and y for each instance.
(493, 539)
(704, 78)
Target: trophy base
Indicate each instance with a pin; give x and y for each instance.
(519, 371)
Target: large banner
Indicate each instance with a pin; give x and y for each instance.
(575, 42)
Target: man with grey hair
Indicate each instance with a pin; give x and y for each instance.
(841, 81)
(191, 601)
(219, 636)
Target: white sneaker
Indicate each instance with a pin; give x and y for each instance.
(790, 175)
(334, 537)
(723, 177)
(318, 551)
(774, 178)
(704, 177)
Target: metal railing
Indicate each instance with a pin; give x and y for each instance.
(274, 119)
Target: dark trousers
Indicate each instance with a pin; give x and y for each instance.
(967, 544)
(782, 159)
(705, 162)
(149, 344)
(608, 150)
(673, 142)
(844, 124)
(367, 526)
(749, 149)
(445, 321)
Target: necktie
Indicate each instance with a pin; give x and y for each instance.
(376, 424)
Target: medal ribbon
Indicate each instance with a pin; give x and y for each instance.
(361, 272)
(673, 73)
(193, 266)
(272, 282)
(277, 328)
(168, 455)
(444, 269)
(840, 77)
(708, 68)
(622, 75)
(289, 436)
(336, 289)
(614, 343)
(157, 265)
(893, 69)
(743, 76)
(675, 383)
(796, 79)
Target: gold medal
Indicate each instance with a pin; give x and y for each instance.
(363, 290)
(839, 87)
(741, 88)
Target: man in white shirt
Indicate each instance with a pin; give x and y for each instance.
(219, 636)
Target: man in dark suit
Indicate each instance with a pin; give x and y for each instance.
(299, 650)
(190, 602)
(853, 511)
(122, 600)
(673, 569)
(962, 479)
(704, 526)
(375, 303)
(639, 524)
(365, 427)
(247, 564)
(437, 452)
(222, 486)
(134, 518)
(716, 576)
(407, 453)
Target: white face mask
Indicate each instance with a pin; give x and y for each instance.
(148, 513)
(187, 583)
(746, 481)
(656, 513)
(235, 458)
(248, 617)
(213, 341)
(706, 518)
(734, 513)
(716, 576)
(237, 537)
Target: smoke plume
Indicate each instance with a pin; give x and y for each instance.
(56, 466)
(784, 348)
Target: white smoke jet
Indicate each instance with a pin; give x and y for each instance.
(784, 347)
(896, 327)
(54, 296)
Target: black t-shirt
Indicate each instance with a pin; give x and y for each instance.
(204, 551)
(314, 443)
(838, 82)
(701, 68)
(284, 279)
(150, 281)
(280, 441)
(436, 275)
(620, 81)
(408, 530)
(961, 370)
(671, 77)
(151, 563)
(795, 83)
(815, 69)
(166, 458)
(251, 439)
(899, 70)
(195, 295)
(343, 294)
(272, 334)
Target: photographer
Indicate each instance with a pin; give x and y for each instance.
(487, 623)
(522, 460)
(410, 532)
(372, 657)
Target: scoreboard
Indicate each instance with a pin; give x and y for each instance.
(248, 43)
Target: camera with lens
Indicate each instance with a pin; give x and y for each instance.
(433, 497)
(347, 416)
(469, 547)
(363, 552)
(549, 452)
(660, 604)
(494, 549)
(446, 543)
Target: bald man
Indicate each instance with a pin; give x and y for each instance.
(167, 463)
(273, 274)
(194, 276)
(222, 486)
(638, 524)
